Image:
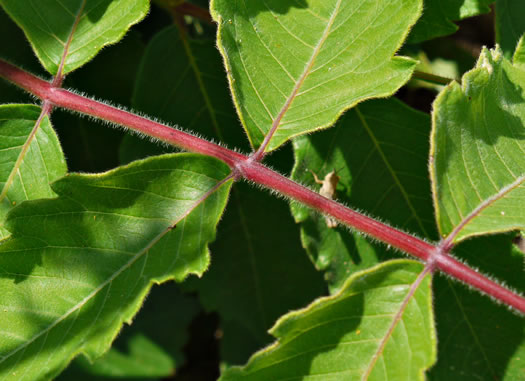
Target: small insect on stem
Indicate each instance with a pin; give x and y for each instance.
(328, 185)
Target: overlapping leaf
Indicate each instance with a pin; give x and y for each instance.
(72, 32)
(378, 327)
(77, 267)
(478, 149)
(181, 81)
(510, 24)
(250, 283)
(294, 67)
(438, 17)
(379, 150)
(30, 157)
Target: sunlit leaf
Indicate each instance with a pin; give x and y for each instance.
(77, 267)
(478, 149)
(30, 157)
(294, 67)
(378, 327)
(73, 31)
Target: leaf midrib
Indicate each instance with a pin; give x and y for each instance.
(300, 81)
(110, 279)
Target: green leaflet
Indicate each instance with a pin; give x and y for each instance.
(85, 260)
(355, 334)
(75, 29)
(510, 24)
(29, 161)
(296, 66)
(478, 149)
(438, 16)
(379, 149)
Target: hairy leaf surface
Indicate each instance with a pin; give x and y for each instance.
(379, 151)
(294, 67)
(85, 261)
(30, 157)
(72, 32)
(478, 149)
(378, 327)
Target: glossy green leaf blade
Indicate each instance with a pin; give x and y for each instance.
(477, 338)
(510, 24)
(85, 261)
(296, 66)
(250, 282)
(75, 30)
(378, 327)
(438, 16)
(30, 158)
(478, 150)
(379, 150)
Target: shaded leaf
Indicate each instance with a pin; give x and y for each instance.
(250, 281)
(30, 157)
(151, 347)
(16, 49)
(510, 24)
(478, 339)
(181, 81)
(91, 146)
(85, 261)
(438, 17)
(73, 31)
(296, 66)
(378, 327)
(379, 150)
(478, 146)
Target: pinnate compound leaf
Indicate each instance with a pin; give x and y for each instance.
(85, 260)
(510, 24)
(295, 66)
(379, 150)
(438, 16)
(75, 30)
(379, 319)
(30, 157)
(478, 149)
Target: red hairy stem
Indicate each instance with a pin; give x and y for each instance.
(251, 169)
(66, 99)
